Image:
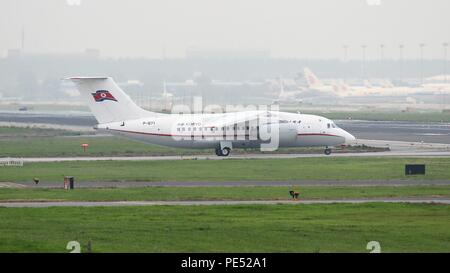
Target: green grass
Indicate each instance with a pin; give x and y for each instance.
(250, 228)
(12, 133)
(41, 142)
(71, 146)
(330, 168)
(219, 193)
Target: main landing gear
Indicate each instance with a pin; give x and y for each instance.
(224, 148)
(223, 152)
(327, 151)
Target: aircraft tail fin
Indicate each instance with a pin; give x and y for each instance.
(342, 86)
(311, 79)
(107, 101)
(281, 86)
(387, 84)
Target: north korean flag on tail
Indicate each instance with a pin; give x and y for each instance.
(101, 95)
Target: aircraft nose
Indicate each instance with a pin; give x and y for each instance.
(349, 138)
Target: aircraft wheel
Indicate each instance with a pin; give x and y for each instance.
(218, 152)
(225, 151)
(327, 151)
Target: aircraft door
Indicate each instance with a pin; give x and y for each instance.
(288, 134)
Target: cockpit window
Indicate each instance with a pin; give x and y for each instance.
(328, 125)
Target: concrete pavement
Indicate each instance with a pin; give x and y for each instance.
(217, 202)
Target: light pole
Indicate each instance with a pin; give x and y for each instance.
(382, 52)
(422, 45)
(401, 47)
(363, 67)
(345, 47)
(381, 59)
(445, 45)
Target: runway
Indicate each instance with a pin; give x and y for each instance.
(69, 119)
(309, 183)
(431, 132)
(222, 203)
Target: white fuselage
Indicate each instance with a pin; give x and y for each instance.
(289, 97)
(436, 87)
(199, 130)
(356, 91)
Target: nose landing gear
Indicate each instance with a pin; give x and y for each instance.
(327, 151)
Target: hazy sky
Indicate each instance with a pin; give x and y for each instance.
(288, 28)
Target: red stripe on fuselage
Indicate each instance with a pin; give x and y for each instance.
(318, 135)
(170, 135)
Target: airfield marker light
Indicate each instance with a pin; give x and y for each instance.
(69, 182)
(294, 194)
(89, 247)
(85, 146)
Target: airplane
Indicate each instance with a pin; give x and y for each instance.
(287, 97)
(436, 88)
(342, 89)
(315, 84)
(339, 88)
(437, 84)
(439, 78)
(116, 113)
(387, 88)
(367, 89)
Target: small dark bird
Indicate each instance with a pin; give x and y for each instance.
(36, 180)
